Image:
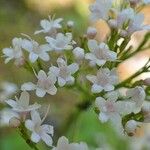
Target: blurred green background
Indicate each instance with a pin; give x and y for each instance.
(23, 16)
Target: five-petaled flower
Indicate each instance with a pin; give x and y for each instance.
(39, 131)
(36, 51)
(60, 42)
(21, 105)
(50, 26)
(99, 53)
(64, 72)
(14, 52)
(104, 80)
(45, 84)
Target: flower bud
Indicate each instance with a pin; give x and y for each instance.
(78, 53)
(146, 81)
(14, 122)
(70, 24)
(146, 112)
(131, 127)
(91, 32)
(112, 23)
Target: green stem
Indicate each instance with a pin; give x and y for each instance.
(140, 47)
(24, 135)
(128, 80)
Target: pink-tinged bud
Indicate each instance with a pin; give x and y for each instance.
(123, 33)
(131, 127)
(70, 24)
(14, 122)
(112, 23)
(91, 32)
(78, 53)
(146, 81)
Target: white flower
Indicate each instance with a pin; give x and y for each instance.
(63, 144)
(22, 104)
(136, 24)
(112, 109)
(137, 96)
(64, 72)
(61, 42)
(39, 131)
(100, 9)
(36, 51)
(104, 80)
(14, 52)
(45, 84)
(78, 53)
(50, 26)
(99, 54)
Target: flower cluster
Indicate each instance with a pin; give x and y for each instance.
(126, 112)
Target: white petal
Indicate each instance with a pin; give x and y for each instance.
(42, 75)
(91, 78)
(61, 81)
(52, 90)
(35, 117)
(48, 129)
(96, 88)
(92, 44)
(29, 124)
(40, 92)
(24, 99)
(27, 45)
(103, 117)
(44, 56)
(100, 62)
(33, 107)
(29, 86)
(45, 47)
(47, 139)
(35, 137)
(54, 70)
(33, 57)
(90, 56)
(108, 87)
(8, 52)
(73, 68)
(12, 103)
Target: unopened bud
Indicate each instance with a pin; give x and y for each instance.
(146, 81)
(146, 112)
(14, 122)
(78, 53)
(131, 127)
(91, 32)
(70, 24)
(112, 23)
